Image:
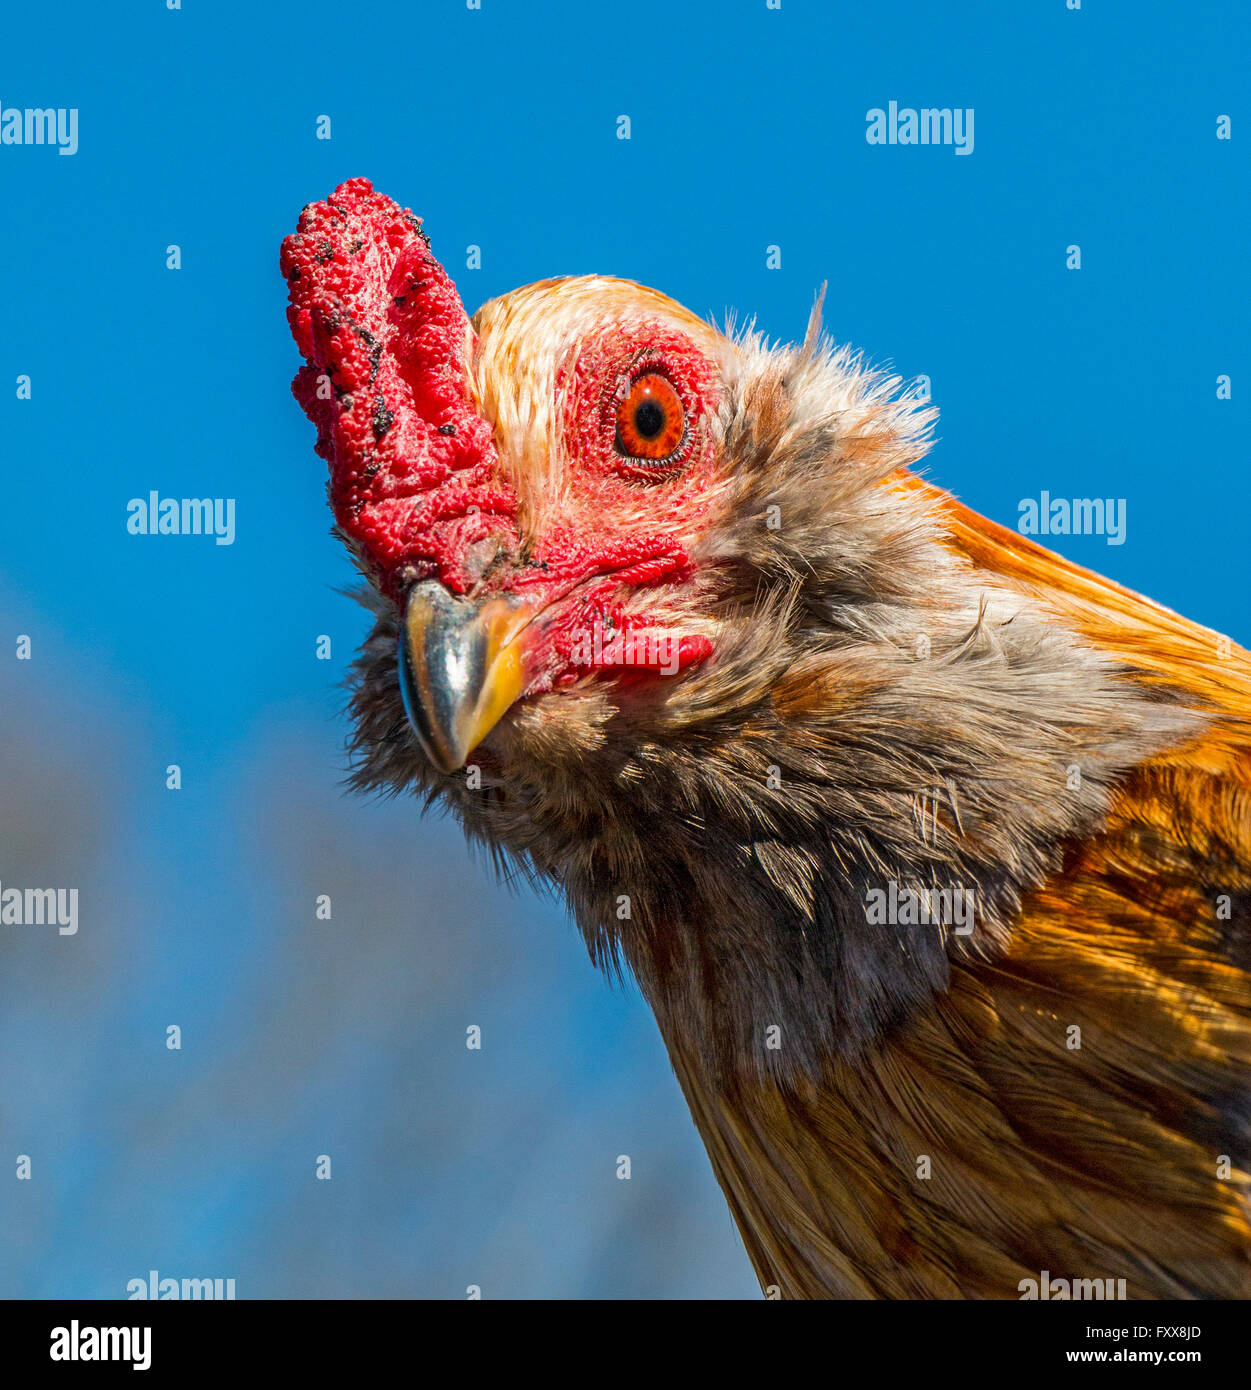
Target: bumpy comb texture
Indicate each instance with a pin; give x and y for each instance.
(413, 468)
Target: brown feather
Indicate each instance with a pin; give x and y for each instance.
(1101, 1161)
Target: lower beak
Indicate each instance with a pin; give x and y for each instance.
(461, 667)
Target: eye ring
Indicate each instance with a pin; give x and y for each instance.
(650, 421)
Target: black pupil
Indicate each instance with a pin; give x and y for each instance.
(649, 419)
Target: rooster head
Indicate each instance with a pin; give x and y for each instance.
(660, 610)
(546, 493)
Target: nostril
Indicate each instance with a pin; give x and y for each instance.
(484, 556)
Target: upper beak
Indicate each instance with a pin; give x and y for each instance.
(460, 667)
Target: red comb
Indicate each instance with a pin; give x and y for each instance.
(413, 469)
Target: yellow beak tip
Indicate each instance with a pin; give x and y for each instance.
(460, 668)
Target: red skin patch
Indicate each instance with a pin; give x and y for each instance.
(595, 381)
(415, 480)
(606, 364)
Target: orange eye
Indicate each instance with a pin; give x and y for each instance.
(651, 423)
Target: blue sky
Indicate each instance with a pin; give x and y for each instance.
(197, 128)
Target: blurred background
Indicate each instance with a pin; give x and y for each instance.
(302, 1037)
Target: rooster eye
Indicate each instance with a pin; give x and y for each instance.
(651, 423)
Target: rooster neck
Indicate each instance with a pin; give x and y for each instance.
(793, 876)
(892, 1111)
(790, 846)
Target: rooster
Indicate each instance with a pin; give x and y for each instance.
(928, 848)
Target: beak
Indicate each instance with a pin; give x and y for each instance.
(460, 667)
